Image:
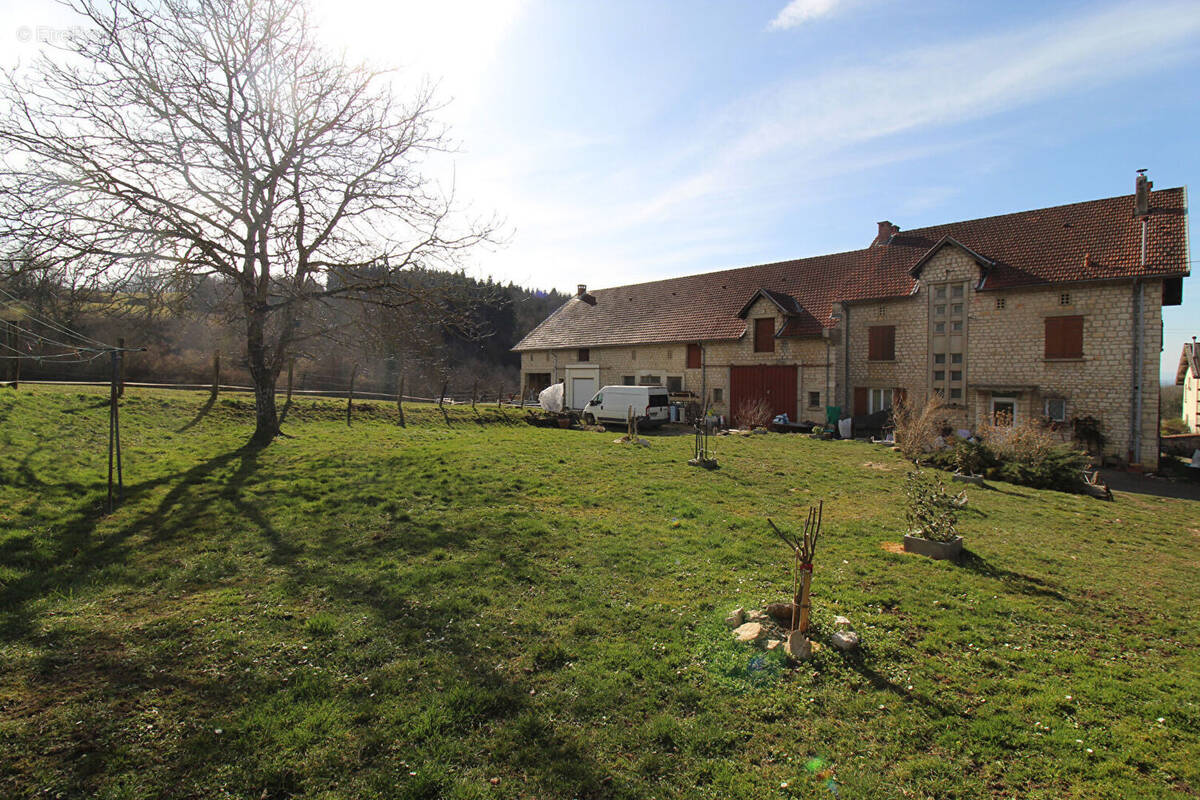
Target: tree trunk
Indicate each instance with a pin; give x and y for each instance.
(264, 375)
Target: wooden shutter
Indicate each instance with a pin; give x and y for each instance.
(899, 397)
(764, 335)
(881, 343)
(693, 356)
(1064, 337)
(861, 400)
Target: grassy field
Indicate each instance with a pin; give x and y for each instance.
(497, 611)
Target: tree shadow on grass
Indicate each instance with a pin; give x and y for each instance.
(202, 413)
(859, 661)
(1022, 583)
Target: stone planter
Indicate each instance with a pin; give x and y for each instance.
(974, 479)
(932, 549)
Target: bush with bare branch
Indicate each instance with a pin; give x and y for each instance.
(916, 428)
(754, 413)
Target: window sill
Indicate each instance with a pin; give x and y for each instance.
(1079, 359)
(881, 361)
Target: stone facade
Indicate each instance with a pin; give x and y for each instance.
(994, 351)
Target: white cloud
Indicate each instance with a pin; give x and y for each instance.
(798, 12)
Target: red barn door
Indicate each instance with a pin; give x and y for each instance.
(774, 384)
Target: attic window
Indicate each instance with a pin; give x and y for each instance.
(764, 335)
(879, 311)
(1064, 299)
(999, 302)
(583, 354)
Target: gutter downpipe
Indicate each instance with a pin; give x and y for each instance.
(848, 407)
(1139, 293)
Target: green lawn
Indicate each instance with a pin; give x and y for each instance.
(493, 610)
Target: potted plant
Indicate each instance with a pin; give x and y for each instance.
(968, 461)
(932, 516)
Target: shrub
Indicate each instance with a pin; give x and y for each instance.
(1172, 427)
(1029, 454)
(916, 428)
(930, 511)
(971, 457)
(756, 413)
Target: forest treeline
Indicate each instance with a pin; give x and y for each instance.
(446, 329)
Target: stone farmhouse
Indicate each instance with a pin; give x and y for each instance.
(1188, 376)
(1054, 313)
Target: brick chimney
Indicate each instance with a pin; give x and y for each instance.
(886, 231)
(1141, 194)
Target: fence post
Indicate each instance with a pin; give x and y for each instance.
(400, 401)
(216, 374)
(350, 394)
(121, 377)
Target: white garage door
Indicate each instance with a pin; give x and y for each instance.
(582, 390)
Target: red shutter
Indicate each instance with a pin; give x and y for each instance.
(693, 356)
(764, 335)
(1064, 337)
(881, 343)
(860, 400)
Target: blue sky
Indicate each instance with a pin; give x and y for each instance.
(627, 141)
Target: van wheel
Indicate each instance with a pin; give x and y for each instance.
(589, 419)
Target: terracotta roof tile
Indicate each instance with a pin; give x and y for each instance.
(1095, 240)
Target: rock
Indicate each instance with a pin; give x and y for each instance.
(798, 646)
(736, 617)
(773, 643)
(844, 640)
(758, 616)
(750, 632)
(841, 622)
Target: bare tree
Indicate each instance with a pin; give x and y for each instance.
(214, 137)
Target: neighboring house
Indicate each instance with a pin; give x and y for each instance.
(1054, 313)
(1188, 376)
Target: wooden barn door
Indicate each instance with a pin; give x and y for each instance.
(775, 384)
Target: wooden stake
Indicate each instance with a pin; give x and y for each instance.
(474, 393)
(350, 394)
(441, 399)
(805, 605)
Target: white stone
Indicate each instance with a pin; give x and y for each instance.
(844, 640)
(736, 617)
(798, 646)
(750, 632)
(841, 622)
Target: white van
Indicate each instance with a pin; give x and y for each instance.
(650, 405)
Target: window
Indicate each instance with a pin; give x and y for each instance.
(1064, 337)
(650, 380)
(814, 399)
(674, 383)
(939, 358)
(956, 308)
(1004, 410)
(718, 395)
(633, 355)
(940, 309)
(693, 356)
(879, 312)
(956, 358)
(939, 327)
(764, 335)
(881, 343)
(628, 380)
(957, 291)
(583, 354)
(956, 394)
(880, 399)
(956, 375)
(940, 292)
(999, 302)
(1056, 409)
(597, 400)
(939, 374)
(956, 325)
(1064, 299)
